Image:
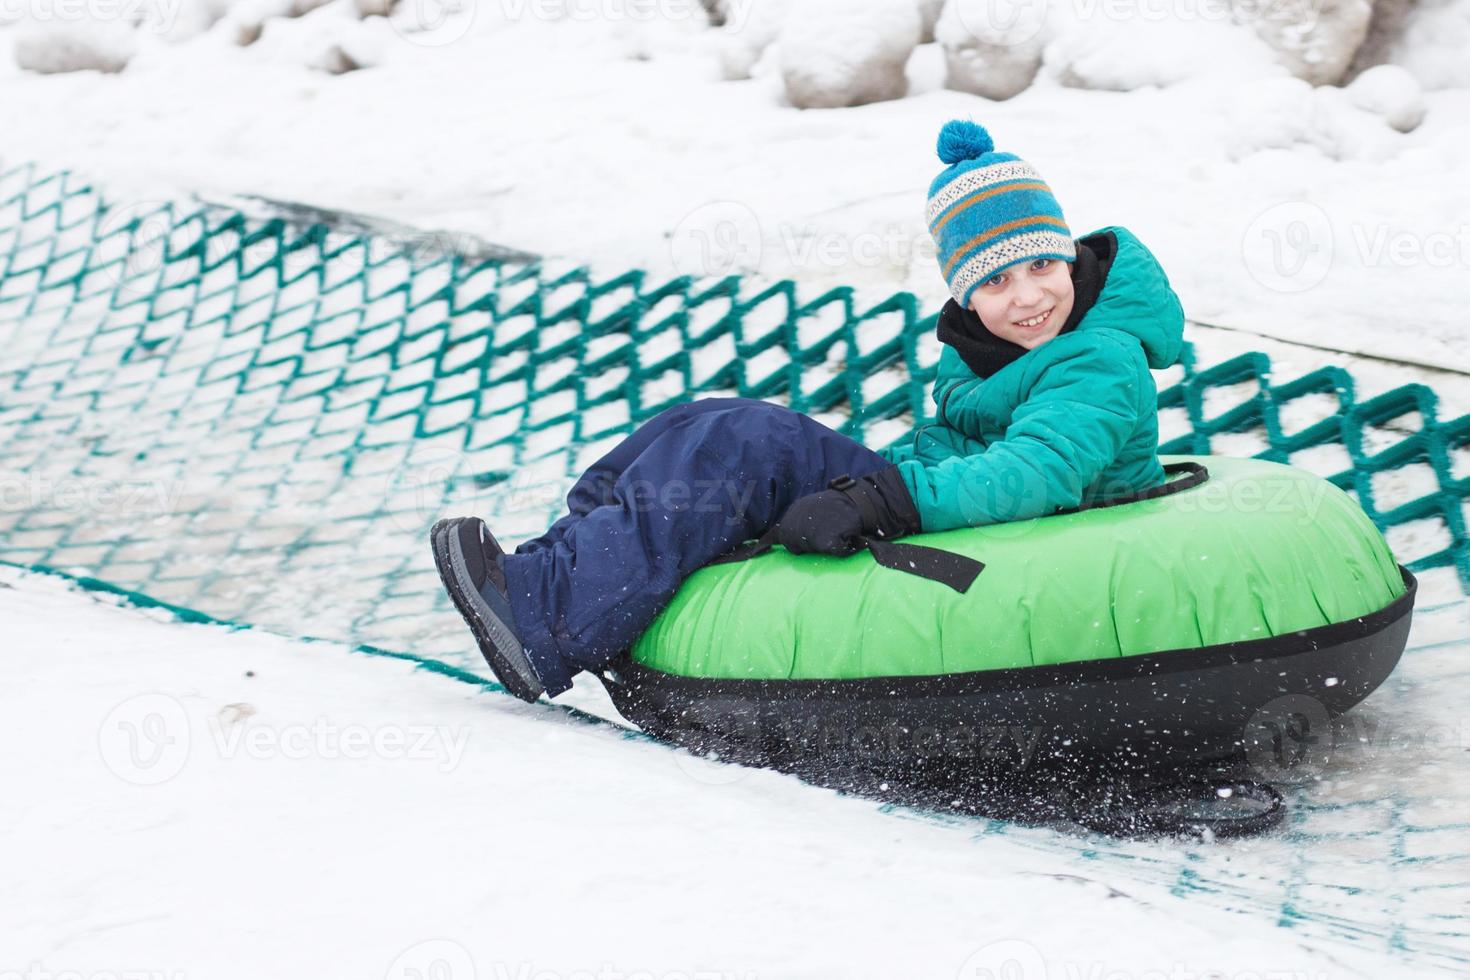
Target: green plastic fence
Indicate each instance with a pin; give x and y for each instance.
(258, 419)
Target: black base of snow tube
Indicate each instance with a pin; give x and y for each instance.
(1154, 719)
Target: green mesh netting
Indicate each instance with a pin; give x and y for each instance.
(259, 419)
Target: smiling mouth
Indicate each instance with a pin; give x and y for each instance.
(1035, 322)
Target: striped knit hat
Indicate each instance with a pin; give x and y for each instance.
(988, 210)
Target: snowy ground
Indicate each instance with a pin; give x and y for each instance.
(187, 801)
(616, 142)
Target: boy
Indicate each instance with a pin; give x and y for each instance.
(1044, 401)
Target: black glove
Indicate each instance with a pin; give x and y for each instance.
(836, 521)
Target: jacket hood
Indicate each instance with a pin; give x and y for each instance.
(1136, 298)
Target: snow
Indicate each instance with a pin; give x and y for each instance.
(1435, 36)
(198, 801)
(1392, 93)
(836, 53)
(452, 141)
(53, 46)
(991, 49)
(1315, 39)
(1121, 56)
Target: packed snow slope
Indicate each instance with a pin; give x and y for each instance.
(188, 800)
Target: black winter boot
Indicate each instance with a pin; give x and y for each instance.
(470, 563)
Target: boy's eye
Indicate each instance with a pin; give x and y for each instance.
(994, 280)
(1040, 264)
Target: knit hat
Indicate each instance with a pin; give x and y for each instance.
(988, 210)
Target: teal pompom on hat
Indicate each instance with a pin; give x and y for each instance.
(988, 210)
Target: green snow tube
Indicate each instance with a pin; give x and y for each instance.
(1242, 597)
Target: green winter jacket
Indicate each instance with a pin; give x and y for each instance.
(1072, 421)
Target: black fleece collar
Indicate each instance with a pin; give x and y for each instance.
(985, 353)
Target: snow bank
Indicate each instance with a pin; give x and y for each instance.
(743, 43)
(1436, 37)
(1315, 39)
(836, 53)
(1391, 93)
(1120, 56)
(996, 48)
(54, 46)
(1361, 122)
(452, 141)
(992, 48)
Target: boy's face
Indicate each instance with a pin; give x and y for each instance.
(1027, 302)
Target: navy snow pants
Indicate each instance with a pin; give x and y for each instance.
(686, 487)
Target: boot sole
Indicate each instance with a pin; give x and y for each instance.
(497, 642)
